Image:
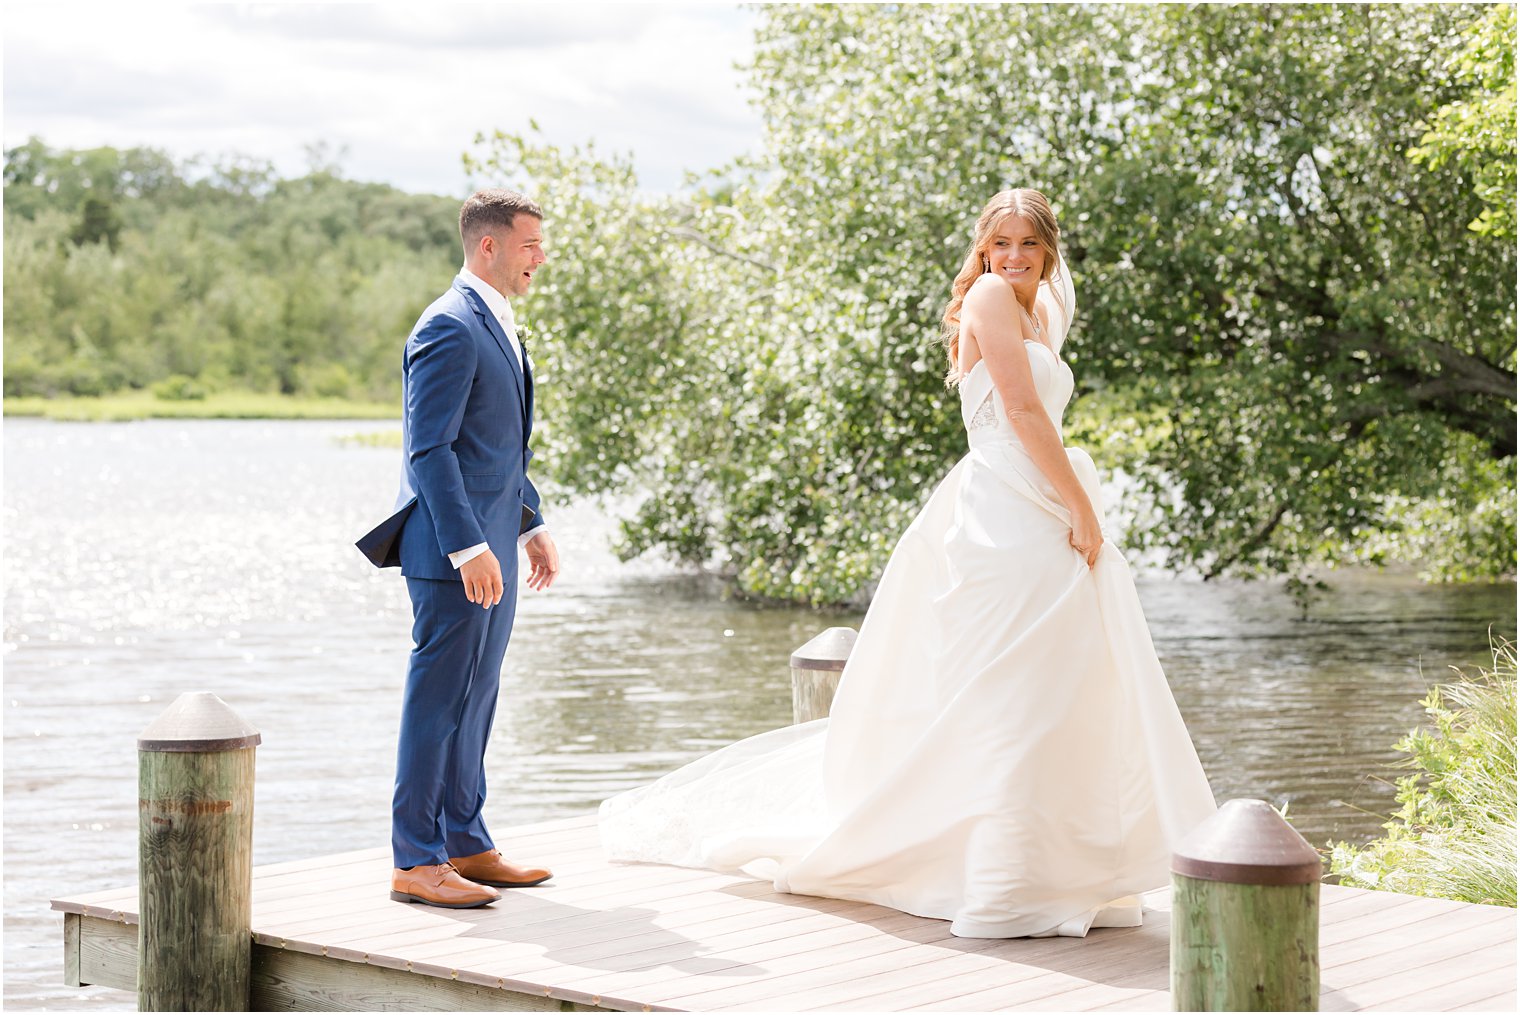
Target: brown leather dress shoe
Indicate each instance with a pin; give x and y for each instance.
(490, 868)
(439, 884)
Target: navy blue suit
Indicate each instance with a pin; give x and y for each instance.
(467, 418)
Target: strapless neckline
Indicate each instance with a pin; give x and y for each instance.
(1028, 341)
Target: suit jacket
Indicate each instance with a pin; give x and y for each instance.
(467, 417)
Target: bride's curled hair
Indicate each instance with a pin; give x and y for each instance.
(1032, 205)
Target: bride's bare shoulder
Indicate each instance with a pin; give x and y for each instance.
(989, 292)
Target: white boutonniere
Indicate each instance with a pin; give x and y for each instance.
(522, 343)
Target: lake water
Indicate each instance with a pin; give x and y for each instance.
(148, 559)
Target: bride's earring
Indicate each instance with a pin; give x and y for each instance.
(986, 265)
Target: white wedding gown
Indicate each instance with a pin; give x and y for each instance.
(1003, 752)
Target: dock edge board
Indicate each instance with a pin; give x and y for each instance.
(103, 952)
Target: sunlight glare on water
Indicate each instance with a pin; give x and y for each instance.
(148, 559)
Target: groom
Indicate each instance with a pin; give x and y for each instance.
(465, 499)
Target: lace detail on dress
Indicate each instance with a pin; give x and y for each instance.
(986, 416)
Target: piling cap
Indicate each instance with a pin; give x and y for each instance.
(199, 723)
(828, 651)
(1247, 843)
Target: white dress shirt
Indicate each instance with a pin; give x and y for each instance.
(497, 304)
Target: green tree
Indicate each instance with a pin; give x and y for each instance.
(98, 223)
(1288, 335)
(1239, 208)
(38, 177)
(1476, 133)
(216, 272)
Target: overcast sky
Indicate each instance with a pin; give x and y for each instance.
(402, 87)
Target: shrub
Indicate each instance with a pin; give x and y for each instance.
(23, 375)
(1453, 836)
(83, 374)
(331, 380)
(179, 388)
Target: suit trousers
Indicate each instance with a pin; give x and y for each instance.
(446, 714)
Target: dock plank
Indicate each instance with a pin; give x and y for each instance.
(1410, 937)
(678, 949)
(756, 965)
(843, 972)
(1490, 990)
(806, 963)
(1435, 973)
(1139, 968)
(1023, 974)
(646, 937)
(1499, 1002)
(990, 964)
(588, 937)
(877, 974)
(525, 912)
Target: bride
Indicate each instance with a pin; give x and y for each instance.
(1003, 751)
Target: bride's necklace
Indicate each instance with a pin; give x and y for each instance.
(1034, 321)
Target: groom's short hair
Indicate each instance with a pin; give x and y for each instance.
(486, 211)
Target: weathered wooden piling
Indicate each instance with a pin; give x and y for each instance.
(816, 668)
(1245, 914)
(195, 857)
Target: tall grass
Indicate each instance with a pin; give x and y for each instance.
(218, 405)
(372, 439)
(1453, 836)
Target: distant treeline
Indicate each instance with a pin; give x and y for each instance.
(126, 269)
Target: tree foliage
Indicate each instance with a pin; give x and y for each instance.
(1477, 131)
(1288, 335)
(124, 269)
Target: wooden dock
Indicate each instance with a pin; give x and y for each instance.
(644, 938)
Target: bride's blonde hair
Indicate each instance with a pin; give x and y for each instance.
(1031, 204)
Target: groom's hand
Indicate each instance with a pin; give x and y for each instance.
(543, 561)
(482, 579)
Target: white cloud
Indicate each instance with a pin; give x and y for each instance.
(403, 89)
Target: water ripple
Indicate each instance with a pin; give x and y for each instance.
(149, 559)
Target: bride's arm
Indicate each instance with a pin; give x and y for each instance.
(991, 312)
